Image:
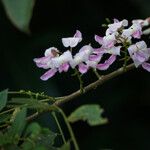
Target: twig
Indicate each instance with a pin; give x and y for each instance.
(95, 84)
(96, 73)
(29, 93)
(33, 116)
(89, 87)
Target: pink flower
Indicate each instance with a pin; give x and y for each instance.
(106, 41)
(142, 22)
(134, 31)
(50, 73)
(72, 41)
(81, 56)
(83, 68)
(93, 60)
(112, 28)
(44, 62)
(140, 54)
(54, 62)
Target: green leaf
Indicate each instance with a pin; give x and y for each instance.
(33, 130)
(27, 145)
(5, 139)
(46, 138)
(19, 12)
(3, 99)
(38, 136)
(18, 124)
(40, 148)
(11, 147)
(90, 113)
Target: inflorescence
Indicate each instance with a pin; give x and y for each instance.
(118, 40)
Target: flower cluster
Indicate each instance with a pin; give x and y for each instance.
(117, 39)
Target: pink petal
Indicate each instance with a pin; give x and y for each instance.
(95, 57)
(146, 66)
(99, 39)
(41, 65)
(137, 34)
(111, 59)
(64, 67)
(140, 56)
(50, 73)
(99, 50)
(42, 62)
(107, 63)
(109, 44)
(83, 68)
(103, 66)
(78, 34)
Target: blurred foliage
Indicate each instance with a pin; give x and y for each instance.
(3, 99)
(17, 133)
(90, 113)
(19, 12)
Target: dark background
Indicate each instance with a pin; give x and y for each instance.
(125, 99)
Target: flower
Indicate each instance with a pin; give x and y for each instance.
(44, 62)
(134, 31)
(108, 43)
(140, 54)
(66, 57)
(72, 41)
(81, 56)
(93, 60)
(142, 22)
(54, 62)
(112, 28)
(116, 37)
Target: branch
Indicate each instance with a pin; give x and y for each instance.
(95, 84)
(89, 87)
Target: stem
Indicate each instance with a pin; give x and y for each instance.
(96, 73)
(89, 87)
(80, 80)
(59, 127)
(3, 126)
(29, 93)
(95, 84)
(69, 128)
(125, 60)
(33, 116)
(7, 111)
